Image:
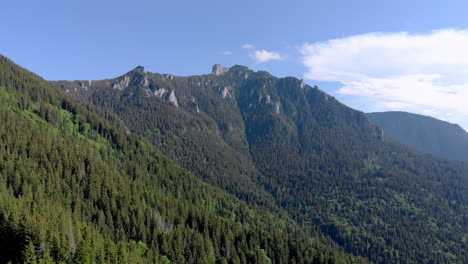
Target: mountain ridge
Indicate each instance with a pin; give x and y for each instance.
(280, 144)
(424, 133)
(78, 187)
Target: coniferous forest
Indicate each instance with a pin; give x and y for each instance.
(284, 145)
(79, 187)
(239, 167)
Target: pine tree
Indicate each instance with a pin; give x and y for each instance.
(29, 254)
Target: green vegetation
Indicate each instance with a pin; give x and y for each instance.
(77, 187)
(287, 147)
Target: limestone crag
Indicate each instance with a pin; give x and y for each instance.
(224, 91)
(219, 70)
(122, 84)
(172, 98)
(168, 96)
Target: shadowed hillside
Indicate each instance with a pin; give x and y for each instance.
(424, 133)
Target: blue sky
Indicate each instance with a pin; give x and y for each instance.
(371, 55)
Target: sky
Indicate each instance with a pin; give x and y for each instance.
(372, 55)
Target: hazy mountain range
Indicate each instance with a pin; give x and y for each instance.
(424, 133)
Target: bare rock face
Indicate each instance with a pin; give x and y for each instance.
(145, 82)
(160, 92)
(172, 98)
(219, 70)
(168, 96)
(302, 84)
(122, 84)
(169, 76)
(224, 91)
(277, 107)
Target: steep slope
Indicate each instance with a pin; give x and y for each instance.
(424, 133)
(79, 188)
(193, 120)
(299, 149)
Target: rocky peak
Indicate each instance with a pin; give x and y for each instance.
(137, 76)
(140, 69)
(219, 70)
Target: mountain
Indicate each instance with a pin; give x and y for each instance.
(280, 144)
(424, 133)
(76, 186)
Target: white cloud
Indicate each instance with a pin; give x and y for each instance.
(422, 73)
(261, 56)
(248, 46)
(225, 53)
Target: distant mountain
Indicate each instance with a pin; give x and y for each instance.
(424, 133)
(280, 144)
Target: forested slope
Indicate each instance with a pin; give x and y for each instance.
(424, 133)
(76, 186)
(284, 145)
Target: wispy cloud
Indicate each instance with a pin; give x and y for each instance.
(225, 53)
(262, 56)
(422, 73)
(248, 46)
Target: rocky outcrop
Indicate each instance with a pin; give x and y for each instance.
(83, 86)
(169, 76)
(145, 81)
(168, 96)
(140, 69)
(277, 107)
(219, 70)
(224, 91)
(172, 98)
(160, 92)
(122, 84)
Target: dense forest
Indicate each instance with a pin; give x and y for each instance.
(77, 186)
(285, 146)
